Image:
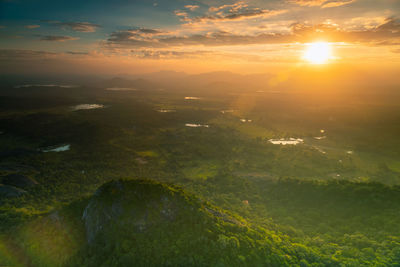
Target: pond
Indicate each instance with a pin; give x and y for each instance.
(120, 89)
(166, 110)
(57, 149)
(195, 125)
(87, 106)
(289, 141)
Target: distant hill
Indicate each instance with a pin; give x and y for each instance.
(164, 77)
(118, 82)
(220, 80)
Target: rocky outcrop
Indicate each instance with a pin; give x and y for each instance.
(140, 206)
(10, 191)
(137, 205)
(19, 180)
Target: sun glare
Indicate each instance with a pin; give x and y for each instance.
(318, 53)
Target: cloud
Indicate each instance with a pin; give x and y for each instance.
(54, 38)
(80, 26)
(364, 22)
(233, 7)
(239, 15)
(76, 26)
(322, 3)
(169, 54)
(337, 3)
(182, 14)
(16, 54)
(137, 36)
(77, 53)
(161, 54)
(391, 25)
(148, 31)
(192, 7)
(386, 31)
(299, 32)
(308, 2)
(32, 26)
(134, 39)
(233, 12)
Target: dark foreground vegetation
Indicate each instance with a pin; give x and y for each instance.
(219, 194)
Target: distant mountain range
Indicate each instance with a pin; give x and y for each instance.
(303, 78)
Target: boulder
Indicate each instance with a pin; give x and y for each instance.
(10, 191)
(19, 180)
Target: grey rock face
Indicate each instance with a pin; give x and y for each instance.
(10, 191)
(19, 180)
(132, 205)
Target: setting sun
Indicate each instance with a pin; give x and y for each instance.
(318, 52)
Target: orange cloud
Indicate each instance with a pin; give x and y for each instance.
(192, 7)
(76, 26)
(337, 3)
(234, 7)
(239, 15)
(233, 12)
(299, 32)
(322, 3)
(54, 38)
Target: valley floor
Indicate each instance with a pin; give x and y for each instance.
(330, 199)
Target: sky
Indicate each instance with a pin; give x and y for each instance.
(249, 36)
